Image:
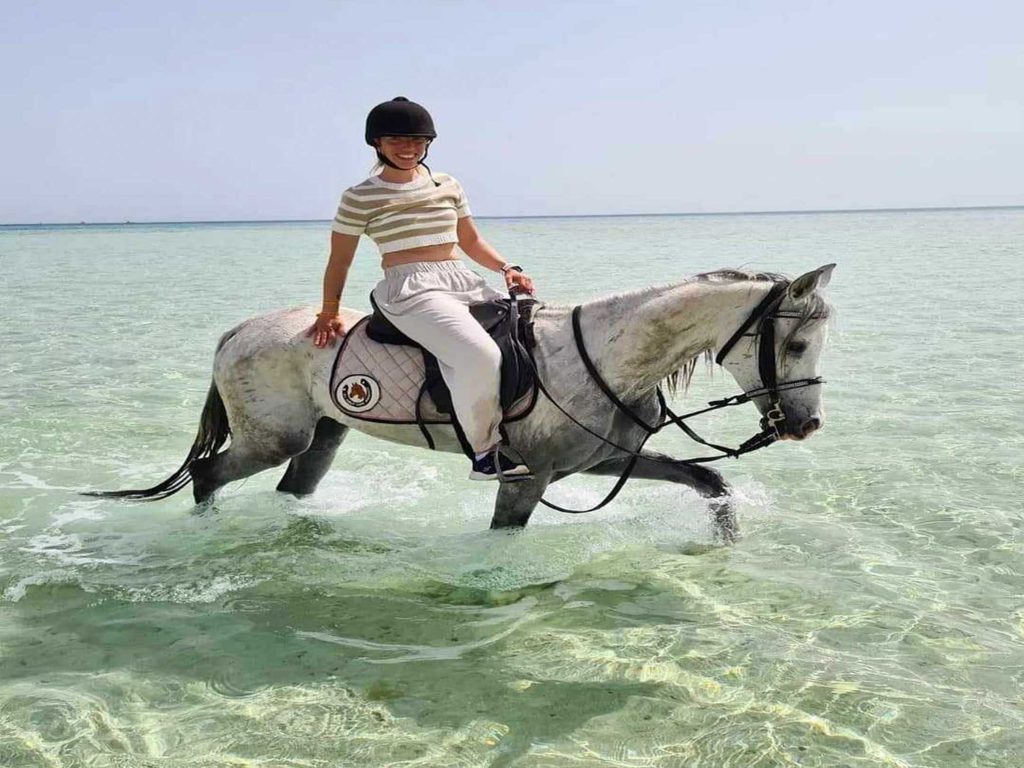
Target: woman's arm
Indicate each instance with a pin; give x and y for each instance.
(343, 251)
(328, 324)
(478, 249)
(484, 254)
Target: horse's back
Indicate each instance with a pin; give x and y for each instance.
(281, 332)
(268, 370)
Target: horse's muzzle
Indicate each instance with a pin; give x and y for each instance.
(801, 431)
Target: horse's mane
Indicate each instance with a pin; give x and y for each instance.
(815, 308)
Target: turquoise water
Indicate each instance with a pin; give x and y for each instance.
(873, 614)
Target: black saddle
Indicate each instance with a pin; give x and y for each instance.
(508, 321)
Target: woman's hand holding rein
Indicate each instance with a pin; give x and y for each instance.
(517, 279)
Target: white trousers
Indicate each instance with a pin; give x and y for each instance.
(429, 302)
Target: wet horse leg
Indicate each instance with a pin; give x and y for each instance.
(250, 451)
(236, 463)
(708, 482)
(306, 470)
(516, 502)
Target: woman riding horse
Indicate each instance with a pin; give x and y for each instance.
(416, 218)
(599, 364)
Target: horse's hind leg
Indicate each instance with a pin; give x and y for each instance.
(306, 470)
(251, 450)
(708, 482)
(236, 463)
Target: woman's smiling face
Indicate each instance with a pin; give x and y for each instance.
(404, 151)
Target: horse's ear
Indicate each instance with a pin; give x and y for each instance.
(807, 284)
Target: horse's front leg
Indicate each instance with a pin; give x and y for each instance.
(708, 482)
(516, 501)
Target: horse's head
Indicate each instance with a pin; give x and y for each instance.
(774, 356)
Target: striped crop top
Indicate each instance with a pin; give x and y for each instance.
(402, 216)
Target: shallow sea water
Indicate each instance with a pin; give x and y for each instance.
(872, 615)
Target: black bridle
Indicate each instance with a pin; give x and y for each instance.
(764, 315)
(763, 320)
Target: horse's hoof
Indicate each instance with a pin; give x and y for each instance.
(202, 508)
(727, 528)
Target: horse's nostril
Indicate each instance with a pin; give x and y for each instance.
(811, 425)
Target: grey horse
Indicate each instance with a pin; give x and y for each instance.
(270, 390)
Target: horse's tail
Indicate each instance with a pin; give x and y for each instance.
(213, 432)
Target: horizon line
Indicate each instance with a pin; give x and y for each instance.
(911, 209)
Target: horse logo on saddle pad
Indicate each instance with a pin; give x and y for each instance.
(359, 393)
(381, 375)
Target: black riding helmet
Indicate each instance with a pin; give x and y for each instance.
(400, 117)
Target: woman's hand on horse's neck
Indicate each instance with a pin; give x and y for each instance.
(638, 339)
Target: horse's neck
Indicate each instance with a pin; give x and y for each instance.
(638, 339)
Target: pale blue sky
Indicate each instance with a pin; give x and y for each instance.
(229, 110)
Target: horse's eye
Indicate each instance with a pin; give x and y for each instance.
(797, 347)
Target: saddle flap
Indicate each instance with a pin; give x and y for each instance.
(490, 313)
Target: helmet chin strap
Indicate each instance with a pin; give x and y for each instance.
(382, 158)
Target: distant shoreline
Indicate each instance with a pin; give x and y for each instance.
(514, 218)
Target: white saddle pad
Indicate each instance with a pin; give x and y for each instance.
(382, 382)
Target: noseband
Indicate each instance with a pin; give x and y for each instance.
(763, 320)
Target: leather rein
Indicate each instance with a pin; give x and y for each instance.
(763, 317)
